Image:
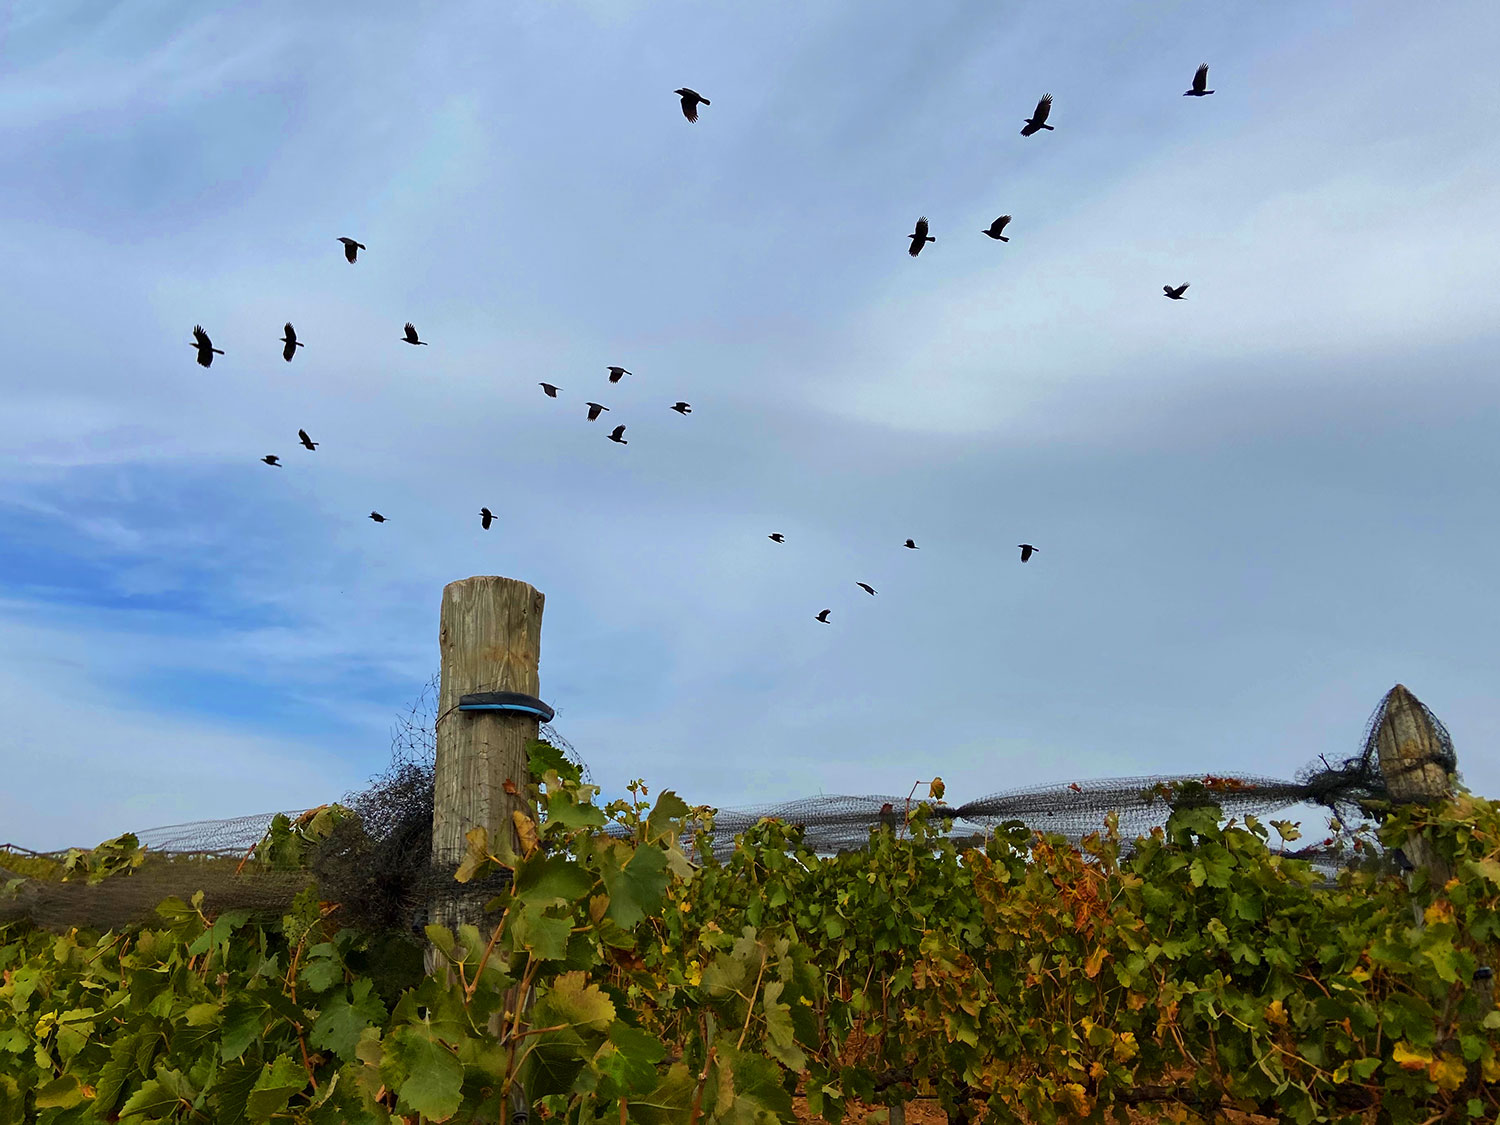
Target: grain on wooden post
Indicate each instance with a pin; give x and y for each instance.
(1410, 761)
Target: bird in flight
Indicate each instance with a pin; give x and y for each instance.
(866, 587)
(291, 342)
(485, 516)
(617, 435)
(411, 335)
(682, 408)
(691, 99)
(272, 459)
(913, 544)
(1175, 294)
(616, 372)
(997, 226)
(377, 517)
(1038, 119)
(594, 409)
(1200, 83)
(307, 442)
(919, 237)
(548, 389)
(351, 248)
(1027, 550)
(823, 616)
(776, 537)
(205, 346)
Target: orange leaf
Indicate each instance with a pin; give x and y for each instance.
(1095, 962)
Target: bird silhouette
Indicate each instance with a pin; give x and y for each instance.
(919, 237)
(351, 248)
(823, 616)
(1027, 550)
(691, 99)
(594, 409)
(1038, 119)
(616, 435)
(485, 516)
(411, 335)
(377, 517)
(776, 537)
(616, 372)
(205, 346)
(272, 459)
(1200, 81)
(912, 544)
(866, 587)
(307, 442)
(1175, 294)
(682, 408)
(548, 389)
(997, 226)
(291, 342)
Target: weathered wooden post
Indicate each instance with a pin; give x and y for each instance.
(1413, 763)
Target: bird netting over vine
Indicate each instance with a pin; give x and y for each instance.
(375, 860)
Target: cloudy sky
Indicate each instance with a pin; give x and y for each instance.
(1256, 509)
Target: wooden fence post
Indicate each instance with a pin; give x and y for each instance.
(1410, 750)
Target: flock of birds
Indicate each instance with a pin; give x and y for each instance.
(920, 236)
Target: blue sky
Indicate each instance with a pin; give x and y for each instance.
(1256, 509)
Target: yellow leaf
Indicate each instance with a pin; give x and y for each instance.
(1275, 1013)
(1095, 962)
(1360, 973)
(1448, 1072)
(1135, 1001)
(1125, 1047)
(1490, 1069)
(1439, 912)
(526, 831)
(1076, 1098)
(1408, 1059)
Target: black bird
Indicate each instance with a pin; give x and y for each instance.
(272, 459)
(1038, 119)
(997, 226)
(1175, 294)
(205, 346)
(823, 616)
(919, 237)
(485, 516)
(866, 587)
(351, 248)
(616, 372)
(548, 389)
(913, 545)
(307, 442)
(377, 517)
(411, 335)
(691, 99)
(682, 408)
(776, 537)
(616, 435)
(291, 342)
(594, 409)
(1027, 550)
(1200, 80)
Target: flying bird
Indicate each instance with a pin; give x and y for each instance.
(205, 346)
(272, 459)
(291, 342)
(691, 99)
(307, 442)
(919, 237)
(913, 545)
(823, 616)
(616, 372)
(1200, 81)
(594, 409)
(1027, 550)
(1038, 119)
(351, 248)
(411, 335)
(997, 226)
(616, 435)
(1175, 294)
(377, 517)
(682, 408)
(776, 537)
(866, 587)
(485, 516)
(548, 389)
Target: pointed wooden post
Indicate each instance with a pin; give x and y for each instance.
(1410, 761)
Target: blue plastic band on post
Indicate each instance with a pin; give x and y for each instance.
(513, 702)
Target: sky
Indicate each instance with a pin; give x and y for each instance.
(1255, 509)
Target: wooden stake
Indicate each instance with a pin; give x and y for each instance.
(1409, 747)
